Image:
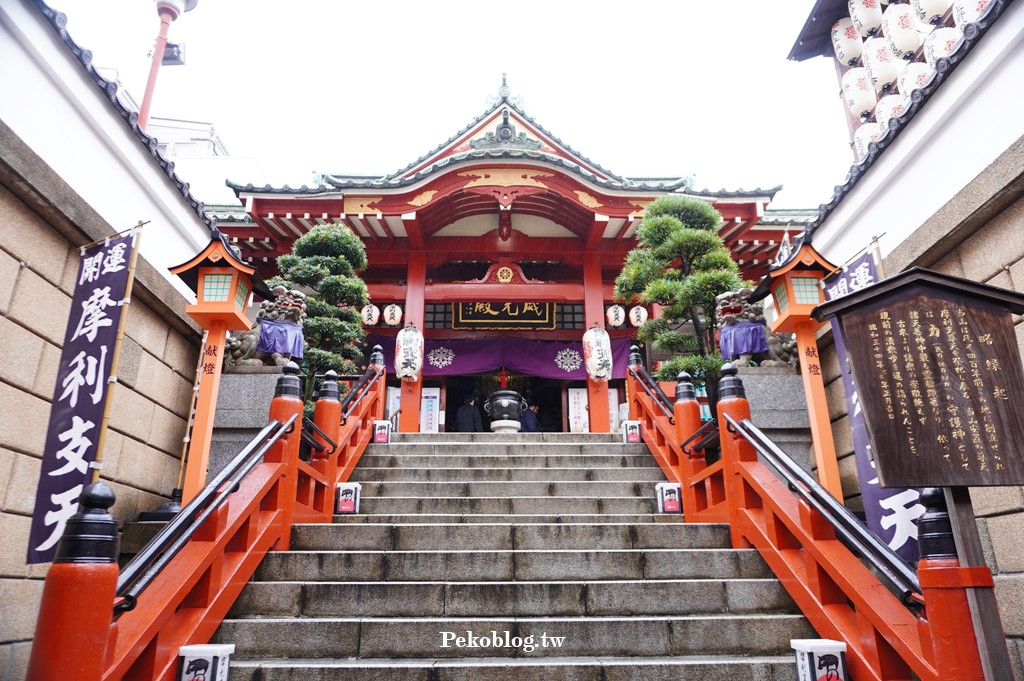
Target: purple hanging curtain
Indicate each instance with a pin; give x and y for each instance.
(545, 359)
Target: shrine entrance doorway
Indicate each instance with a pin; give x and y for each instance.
(547, 393)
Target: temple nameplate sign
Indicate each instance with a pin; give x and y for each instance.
(945, 384)
(490, 315)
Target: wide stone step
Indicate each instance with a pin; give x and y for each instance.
(599, 668)
(508, 437)
(479, 536)
(510, 565)
(514, 505)
(486, 460)
(365, 473)
(413, 637)
(520, 599)
(492, 488)
(519, 519)
(510, 449)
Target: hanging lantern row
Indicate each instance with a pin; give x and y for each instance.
(616, 315)
(637, 315)
(880, 46)
(371, 314)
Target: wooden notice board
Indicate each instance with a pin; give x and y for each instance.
(943, 384)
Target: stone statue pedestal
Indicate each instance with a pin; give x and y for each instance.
(505, 426)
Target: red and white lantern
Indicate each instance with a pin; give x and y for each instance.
(967, 11)
(392, 315)
(866, 16)
(901, 31)
(846, 42)
(637, 315)
(597, 353)
(865, 135)
(409, 353)
(615, 315)
(370, 314)
(941, 43)
(889, 107)
(858, 92)
(881, 65)
(913, 76)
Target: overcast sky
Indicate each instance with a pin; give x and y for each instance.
(642, 88)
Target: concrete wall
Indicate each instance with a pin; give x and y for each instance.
(42, 223)
(978, 234)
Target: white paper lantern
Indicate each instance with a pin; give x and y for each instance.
(881, 65)
(913, 76)
(371, 314)
(941, 43)
(597, 353)
(615, 315)
(901, 31)
(967, 11)
(409, 353)
(858, 92)
(866, 16)
(930, 11)
(392, 315)
(865, 135)
(637, 315)
(889, 107)
(846, 42)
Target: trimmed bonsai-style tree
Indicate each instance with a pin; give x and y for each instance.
(326, 259)
(681, 263)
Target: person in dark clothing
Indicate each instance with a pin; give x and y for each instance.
(467, 417)
(528, 421)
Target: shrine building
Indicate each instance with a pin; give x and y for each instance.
(502, 246)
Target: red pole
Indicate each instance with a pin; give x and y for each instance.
(287, 402)
(327, 417)
(687, 413)
(732, 400)
(77, 607)
(168, 14)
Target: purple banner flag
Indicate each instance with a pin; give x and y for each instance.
(545, 359)
(890, 512)
(80, 394)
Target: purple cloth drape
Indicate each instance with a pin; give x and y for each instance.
(742, 338)
(283, 337)
(546, 359)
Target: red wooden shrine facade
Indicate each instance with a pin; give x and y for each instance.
(502, 191)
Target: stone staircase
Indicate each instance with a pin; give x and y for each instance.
(511, 557)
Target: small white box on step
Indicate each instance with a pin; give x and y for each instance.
(668, 497)
(820, 659)
(382, 432)
(205, 662)
(631, 432)
(347, 498)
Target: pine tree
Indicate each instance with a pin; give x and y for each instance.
(681, 263)
(327, 259)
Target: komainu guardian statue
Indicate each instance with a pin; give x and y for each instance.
(744, 335)
(276, 337)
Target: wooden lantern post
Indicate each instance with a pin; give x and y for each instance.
(223, 285)
(794, 282)
(947, 408)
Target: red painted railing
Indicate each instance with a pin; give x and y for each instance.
(187, 600)
(887, 640)
(675, 442)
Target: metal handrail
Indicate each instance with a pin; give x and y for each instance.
(309, 429)
(845, 523)
(154, 557)
(652, 388)
(706, 429)
(359, 391)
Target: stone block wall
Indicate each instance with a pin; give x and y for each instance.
(42, 224)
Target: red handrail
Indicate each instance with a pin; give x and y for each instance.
(188, 600)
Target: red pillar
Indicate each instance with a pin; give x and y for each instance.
(593, 311)
(206, 406)
(415, 292)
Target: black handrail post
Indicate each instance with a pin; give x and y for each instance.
(732, 402)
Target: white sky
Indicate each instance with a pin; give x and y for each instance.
(646, 88)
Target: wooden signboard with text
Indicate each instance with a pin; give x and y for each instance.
(531, 316)
(944, 385)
